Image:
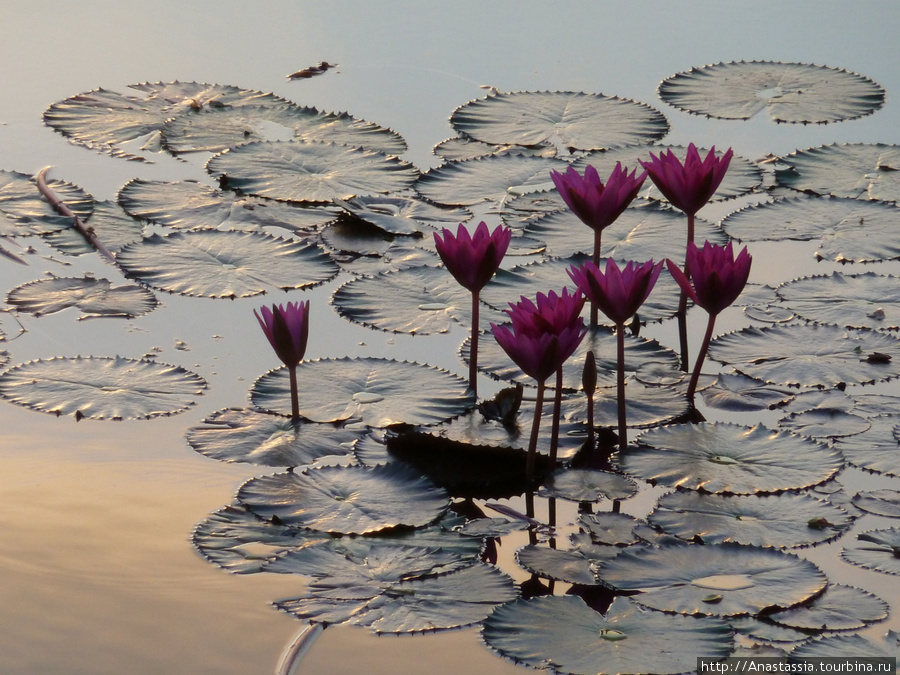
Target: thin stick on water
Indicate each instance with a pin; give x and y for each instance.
(296, 650)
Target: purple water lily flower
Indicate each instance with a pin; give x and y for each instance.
(690, 185)
(287, 329)
(618, 293)
(596, 204)
(473, 259)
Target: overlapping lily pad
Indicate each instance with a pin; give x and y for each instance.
(839, 646)
(460, 148)
(108, 223)
(192, 205)
(310, 171)
(867, 300)
(23, 211)
(848, 230)
(346, 499)
(102, 387)
(880, 502)
(838, 608)
(876, 449)
(798, 93)
(784, 520)
(877, 550)
(585, 485)
(809, 355)
(610, 529)
(574, 120)
(378, 392)
(563, 634)
(739, 393)
(94, 297)
(716, 579)
(723, 457)
(404, 215)
(551, 563)
(856, 170)
(824, 423)
(225, 264)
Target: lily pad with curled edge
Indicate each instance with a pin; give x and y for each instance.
(810, 355)
(838, 608)
(567, 566)
(346, 499)
(570, 119)
(797, 93)
(839, 646)
(824, 423)
(743, 175)
(602, 341)
(852, 300)
(880, 502)
(610, 529)
(216, 129)
(377, 392)
(877, 550)
(98, 387)
(190, 205)
(309, 171)
(242, 435)
(110, 224)
(584, 485)
(494, 178)
(395, 592)
(875, 450)
(404, 215)
(784, 520)
(847, 230)
(225, 264)
(855, 170)
(24, 211)
(107, 120)
(563, 634)
(422, 300)
(722, 457)
(739, 393)
(94, 297)
(715, 579)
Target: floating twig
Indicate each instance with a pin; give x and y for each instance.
(312, 71)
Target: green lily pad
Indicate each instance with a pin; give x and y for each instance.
(739, 393)
(825, 423)
(585, 485)
(856, 170)
(610, 529)
(874, 450)
(404, 215)
(839, 646)
(460, 148)
(877, 550)
(880, 502)
(852, 300)
(838, 608)
(102, 387)
(94, 297)
(567, 566)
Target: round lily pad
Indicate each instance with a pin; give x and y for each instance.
(876, 550)
(346, 499)
(109, 224)
(722, 457)
(784, 520)
(563, 633)
(378, 392)
(874, 450)
(839, 646)
(852, 300)
(880, 502)
(404, 215)
(838, 608)
(102, 387)
(225, 264)
(567, 566)
(715, 579)
(825, 423)
(798, 93)
(309, 171)
(94, 297)
(611, 529)
(856, 170)
(571, 119)
(809, 355)
(739, 393)
(467, 148)
(585, 485)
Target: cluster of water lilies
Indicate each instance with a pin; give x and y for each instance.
(544, 332)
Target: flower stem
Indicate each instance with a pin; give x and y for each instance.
(682, 302)
(695, 376)
(535, 427)
(557, 410)
(595, 315)
(473, 346)
(620, 349)
(295, 403)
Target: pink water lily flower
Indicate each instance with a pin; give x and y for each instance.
(552, 313)
(715, 277)
(596, 204)
(690, 185)
(618, 293)
(287, 329)
(473, 259)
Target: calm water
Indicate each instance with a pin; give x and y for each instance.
(96, 572)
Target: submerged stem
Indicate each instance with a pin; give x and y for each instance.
(695, 376)
(295, 402)
(682, 302)
(535, 427)
(595, 258)
(620, 381)
(557, 410)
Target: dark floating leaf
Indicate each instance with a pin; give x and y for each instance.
(856, 170)
(24, 211)
(567, 566)
(394, 591)
(191, 205)
(241, 435)
(378, 392)
(611, 529)
(880, 502)
(94, 297)
(584, 485)
(852, 300)
(312, 71)
(808, 355)
(878, 550)
(404, 216)
(101, 387)
(106, 120)
(225, 264)
(799, 93)
(310, 171)
(838, 608)
(722, 457)
(563, 633)
(824, 423)
(739, 393)
(492, 178)
(716, 579)
(848, 230)
(346, 499)
(573, 120)
(216, 129)
(780, 521)
(876, 449)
